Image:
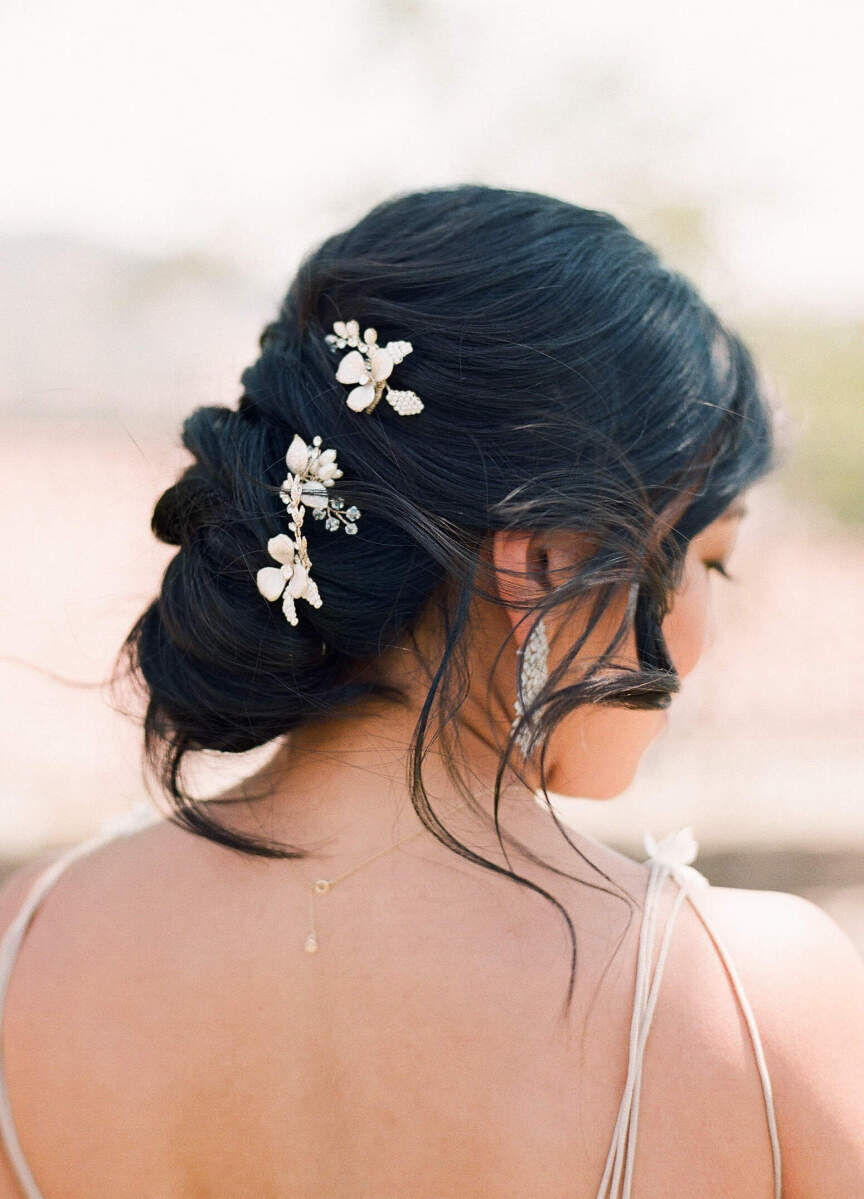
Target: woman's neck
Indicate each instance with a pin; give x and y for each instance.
(340, 785)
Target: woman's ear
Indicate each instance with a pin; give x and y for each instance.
(520, 561)
(528, 566)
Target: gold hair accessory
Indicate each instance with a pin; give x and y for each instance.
(322, 885)
(369, 366)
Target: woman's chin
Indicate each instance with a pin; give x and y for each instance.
(576, 785)
(600, 758)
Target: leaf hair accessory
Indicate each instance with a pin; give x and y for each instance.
(311, 471)
(369, 366)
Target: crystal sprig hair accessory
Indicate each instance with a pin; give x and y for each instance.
(311, 472)
(369, 366)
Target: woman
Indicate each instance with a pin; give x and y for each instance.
(381, 966)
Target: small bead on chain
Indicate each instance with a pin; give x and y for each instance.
(322, 885)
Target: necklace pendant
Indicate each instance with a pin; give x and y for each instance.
(311, 944)
(321, 886)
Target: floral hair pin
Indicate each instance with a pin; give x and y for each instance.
(369, 366)
(311, 472)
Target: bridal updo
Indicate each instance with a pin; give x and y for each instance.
(570, 381)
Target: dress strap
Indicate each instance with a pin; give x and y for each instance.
(114, 826)
(671, 856)
(756, 1041)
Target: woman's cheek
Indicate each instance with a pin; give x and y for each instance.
(685, 626)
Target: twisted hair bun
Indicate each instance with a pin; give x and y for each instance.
(223, 669)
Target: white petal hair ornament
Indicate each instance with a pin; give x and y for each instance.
(369, 365)
(311, 472)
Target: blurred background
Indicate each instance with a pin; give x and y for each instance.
(167, 165)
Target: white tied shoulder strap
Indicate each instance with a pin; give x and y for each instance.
(671, 856)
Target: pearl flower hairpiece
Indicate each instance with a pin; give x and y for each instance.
(311, 471)
(369, 366)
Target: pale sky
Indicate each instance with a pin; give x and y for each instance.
(252, 130)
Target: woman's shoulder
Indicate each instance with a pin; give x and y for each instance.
(135, 874)
(774, 933)
(790, 955)
(97, 902)
(129, 959)
(90, 864)
(798, 959)
(804, 979)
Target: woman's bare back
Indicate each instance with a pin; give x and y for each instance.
(166, 1034)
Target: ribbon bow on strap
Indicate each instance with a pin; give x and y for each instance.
(675, 852)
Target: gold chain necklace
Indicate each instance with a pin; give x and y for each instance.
(322, 885)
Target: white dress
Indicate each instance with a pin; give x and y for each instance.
(670, 857)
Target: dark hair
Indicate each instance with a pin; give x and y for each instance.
(570, 381)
